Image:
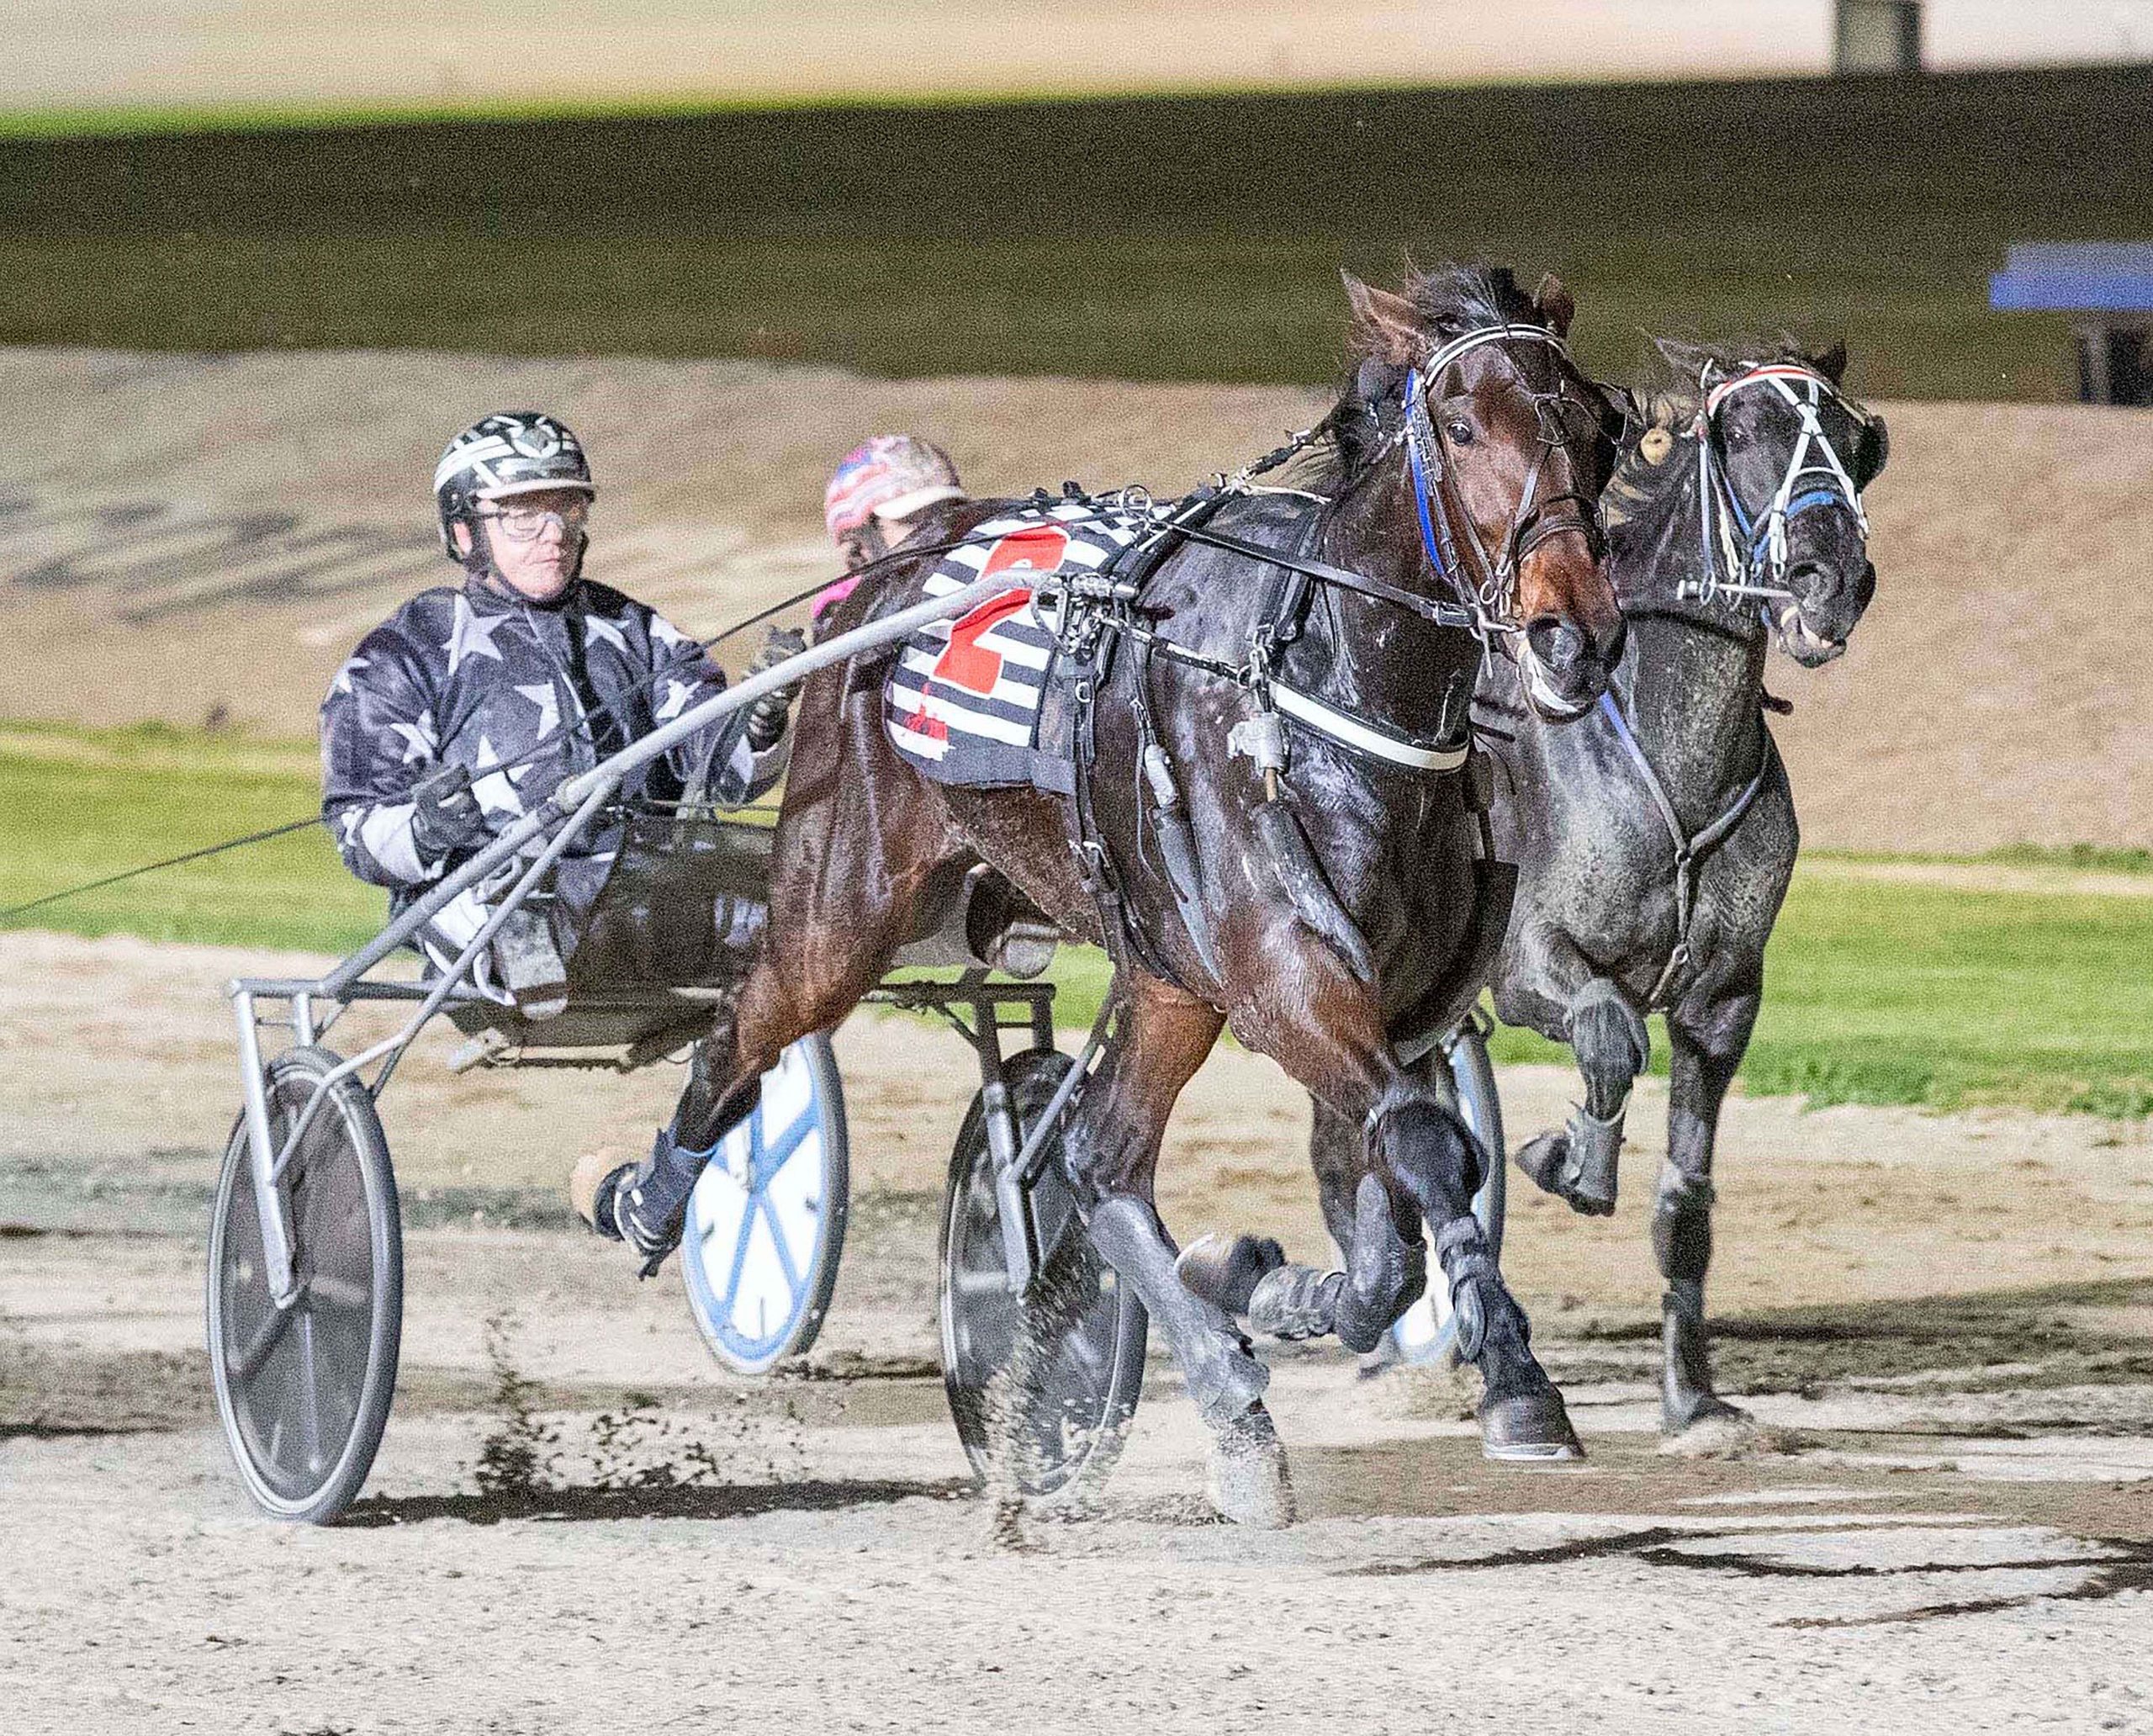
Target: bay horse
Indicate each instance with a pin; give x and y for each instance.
(1655, 838)
(1471, 454)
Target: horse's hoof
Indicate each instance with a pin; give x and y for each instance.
(1542, 1159)
(1528, 1428)
(1546, 1162)
(1250, 1482)
(1225, 1273)
(1680, 1413)
(1375, 1364)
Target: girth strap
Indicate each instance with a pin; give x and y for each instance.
(1689, 852)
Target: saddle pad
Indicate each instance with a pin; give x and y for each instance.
(962, 702)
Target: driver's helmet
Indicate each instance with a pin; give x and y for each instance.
(511, 452)
(890, 476)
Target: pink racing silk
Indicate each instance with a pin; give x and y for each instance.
(828, 599)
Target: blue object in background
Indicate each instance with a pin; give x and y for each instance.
(2109, 286)
(2075, 276)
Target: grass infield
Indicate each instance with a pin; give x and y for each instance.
(1878, 991)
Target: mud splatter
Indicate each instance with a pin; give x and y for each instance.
(515, 1457)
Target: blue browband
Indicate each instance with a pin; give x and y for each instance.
(1414, 400)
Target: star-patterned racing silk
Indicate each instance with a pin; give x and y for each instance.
(472, 677)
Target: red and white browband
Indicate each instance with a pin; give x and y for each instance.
(1770, 371)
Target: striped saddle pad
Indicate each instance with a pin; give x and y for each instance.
(963, 701)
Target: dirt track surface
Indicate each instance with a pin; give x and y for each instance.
(180, 534)
(1946, 1325)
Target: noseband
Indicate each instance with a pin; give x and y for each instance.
(1492, 600)
(1750, 559)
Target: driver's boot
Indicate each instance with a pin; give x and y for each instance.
(644, 1204)
(529, 960)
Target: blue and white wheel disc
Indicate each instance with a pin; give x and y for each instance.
(766, 1217)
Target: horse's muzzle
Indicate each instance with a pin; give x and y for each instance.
(1814, 623)
(1565, 668)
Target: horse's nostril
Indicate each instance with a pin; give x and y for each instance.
(1815, 582)
(1558, 645)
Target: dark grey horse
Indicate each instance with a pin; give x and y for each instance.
(1655, 838)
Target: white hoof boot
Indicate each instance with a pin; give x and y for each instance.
(1250, 1483)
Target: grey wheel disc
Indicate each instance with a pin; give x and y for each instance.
(304, 1391)
(1041, 1387)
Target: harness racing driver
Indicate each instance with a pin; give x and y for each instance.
(471, 703)
(874, 500)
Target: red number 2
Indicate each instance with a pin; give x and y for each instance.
(966, 663)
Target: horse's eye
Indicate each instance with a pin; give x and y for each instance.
(1459, 430)
(1737, 436)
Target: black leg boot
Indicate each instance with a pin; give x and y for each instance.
(1523, 1416)
(1682, 1242)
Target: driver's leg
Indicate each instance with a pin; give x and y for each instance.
(645, 1203)
(521, 965)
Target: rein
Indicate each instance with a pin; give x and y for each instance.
(1428, 609)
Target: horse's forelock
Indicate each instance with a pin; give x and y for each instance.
(1454, 299)
(1448, 301)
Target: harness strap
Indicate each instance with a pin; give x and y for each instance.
(1366, 737)
(1441, 614)
(1121, 934)
(1689, 851)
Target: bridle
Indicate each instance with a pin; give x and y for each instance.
(1485, 607)
(1745, 557)
(1491, 600)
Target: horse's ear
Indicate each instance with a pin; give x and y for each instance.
(1385, 327)
(1832, 362)
(1555, 304)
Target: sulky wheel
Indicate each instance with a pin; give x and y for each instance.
(766, 1221)
(304, 1389)
(1042, 1387)
(1425, 1334)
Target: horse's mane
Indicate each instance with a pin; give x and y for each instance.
(1669, 400)
(1449, 300)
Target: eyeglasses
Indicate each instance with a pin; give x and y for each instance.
(526, 524)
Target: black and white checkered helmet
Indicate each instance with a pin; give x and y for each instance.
(511, 452)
